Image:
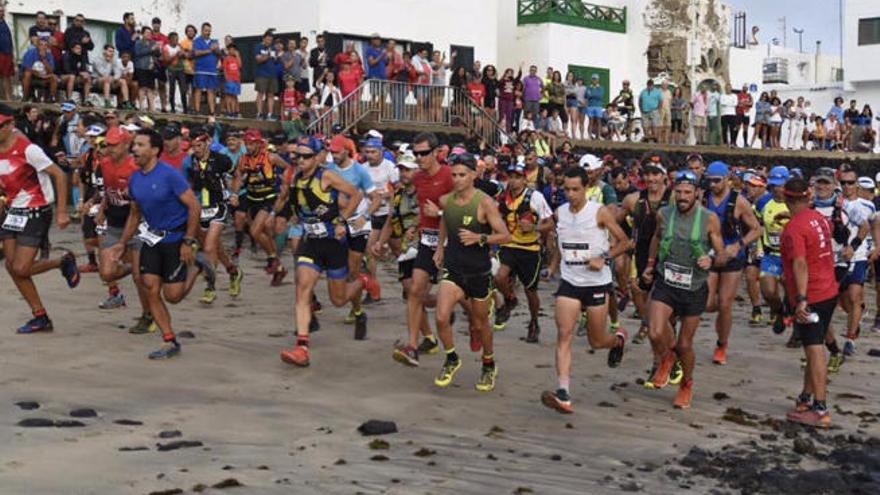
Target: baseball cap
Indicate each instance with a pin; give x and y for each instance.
(68, 106)
(590, 162)
(407, 160)
(253, 135)
(339, 143)
(131, 127)
(171, 131)
(755, 180)
(117, 135)
(594, 76)
(778, 176)
(825, 173)
(466, 159)
(373, 143)
(797, 172)
(516, 168)
(146, 120)
(867, 183)
(717, 169)
(95, 130)
(373, 133)
(312, 143)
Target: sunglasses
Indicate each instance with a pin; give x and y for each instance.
(714, 180)
(304, 156)
(847, 183)
(423, 152)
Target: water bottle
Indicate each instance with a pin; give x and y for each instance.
(813, 317)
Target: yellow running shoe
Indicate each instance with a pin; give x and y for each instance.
(487, 379)
(447, 373)
(677, 374)
(834, 363)
(235, 283)
(350, 319)
(208, 297)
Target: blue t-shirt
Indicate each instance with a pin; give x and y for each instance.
(595, 96)
(376, 71)
(206, 65)
(267, 68)
(356, 175)
(124, 43)
(649, 100)
(32, 56)
(5, 38)
(836, 110)
(158, 197)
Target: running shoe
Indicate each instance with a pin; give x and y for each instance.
(208, 297)
(615, 355)
(88, 268)
(849, 347)
(649, 383)
(559, 400)
(534, 331)
(582, 325)
(476, 340)
(835, 362)
(360, 326)
(168, 350)
(720, 356)
(278, 276)
(349, 320)
(812, 417)
(447, 373)
(316, 306)
(684, 396)
(486, 383)
(502, 314)
(235, 279)
(371, 285)
(677, 373)
(145, 324)
(406, 355)
(756, 318)
(113, 302)
(314, 324)
(778, 324)
(429, 346)
(36, 325)
(272, 265)
(661, 377)
(69, 270)
(299, 356)
(641, 335)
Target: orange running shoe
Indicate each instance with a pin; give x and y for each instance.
(371, 285)
(685, 394)
(720, 356)
(299, 356)
(811, 418)
(661, 376)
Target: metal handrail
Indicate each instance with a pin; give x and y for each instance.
(573, 8)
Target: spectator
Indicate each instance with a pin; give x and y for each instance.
(678, 116)
(301, 65)
(319, 60)
(161, 75)
(287, 61)
(595, 95)
(796, 124)
(571, 104)
(713, 115)
(625, 102)
(128, 76)
(345, 56)
(775, 122)
(206, 51)
(108, 76)
(700, 108)
(126, 35)
(377, 59)
(330, 95)
(744, 105)
(265, 82)
(77, 33)
(232, 81)
(7, 64)
(762, 120)
(649, 106)
(189, 64)
(40, 30)
(490, 82)
(533, 91)
(548, 78)
(75, 72)
(665, 111)
(422, 66)
(439, 70)
(580, 93)
(38, 65)
(145, 50)
(833, 131)
(174, 59)
(507, 98)
(729, 120)
(349, 79)
(836, 109)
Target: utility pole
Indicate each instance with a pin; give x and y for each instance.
(800, 33)
(784, 22)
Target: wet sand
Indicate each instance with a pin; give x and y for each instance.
(277, 429)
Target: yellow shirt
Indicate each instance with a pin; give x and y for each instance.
(772, 225)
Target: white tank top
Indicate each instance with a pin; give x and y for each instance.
(581, 238)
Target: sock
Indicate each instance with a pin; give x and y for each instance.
(451, 356)
(93, 260)
(280, 241)
(40, 313)
(832, 347)
(170, 337)
(239, 239)
(564, 383)
(488, 360)
(302, 340)
(819, 406)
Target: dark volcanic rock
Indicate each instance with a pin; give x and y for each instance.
(179, 444)
(186, 334)
(377, 427)
(36, 423)
(227, 483)
(28, 405)
(128, 422)
(69, 423)
(170, 434)
(85, 412)
(134, 449)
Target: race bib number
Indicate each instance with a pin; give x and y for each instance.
(101, 229)
(316, 230)
(149, 236)
(93, 211)
(209, 213)
(678, 276)
(15, 222)
(773, 240)
(364, 230)
(575, 254)
(430, 238)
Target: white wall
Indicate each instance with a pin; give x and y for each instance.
(860, 62)
(172, 12)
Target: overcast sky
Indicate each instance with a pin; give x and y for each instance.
(819, 19)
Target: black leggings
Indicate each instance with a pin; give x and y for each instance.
(729, 127)
(177, 78)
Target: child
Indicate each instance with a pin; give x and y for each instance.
(289, 98)
(128, 77)
(615, 122)
(232, 86)
(527, 124)
(554, 125)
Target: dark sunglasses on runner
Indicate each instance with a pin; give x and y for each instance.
(423, 152)
(304, 156)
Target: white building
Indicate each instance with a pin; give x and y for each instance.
(861, 49)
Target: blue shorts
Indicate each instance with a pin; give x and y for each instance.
(295, 231)
(595, 112)
(771, 266)
(571, 103)
(206, 82)
(232, 88)
(857, 274)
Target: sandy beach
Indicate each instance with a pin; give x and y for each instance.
(251, 420)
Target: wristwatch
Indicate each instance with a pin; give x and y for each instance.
(189, 241)
(483, 239)
(801, 298)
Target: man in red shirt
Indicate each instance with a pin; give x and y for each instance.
(431, 182)
(808, 265)
(26, 176)
(173, 154)
(161, 74)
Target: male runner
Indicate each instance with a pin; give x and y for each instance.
(680, 257)
(471, 222)
(582, 229)
(164, 214)
(385, 177)
(739, 228)
(773, 216)
(431, 182)
(527, 215)
(860, 217)
(92, 185)
(206, 171)
(315, 201)
(756, 188)
(26, 176)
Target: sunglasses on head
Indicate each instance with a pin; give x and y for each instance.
(423, 152)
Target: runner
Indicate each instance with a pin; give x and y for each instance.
(680, 257)
(385, 178)
(471, 223)
(583, 228)
(756, 188)
(116, 168)
(739, 228)
(773, 216)
(26, 176)
(206, 170)
(527, 216)
(860, 215)
(257, 175)
(92, 185)
(315, 202)
(164, 214)
(810, 284)
(431, 182)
